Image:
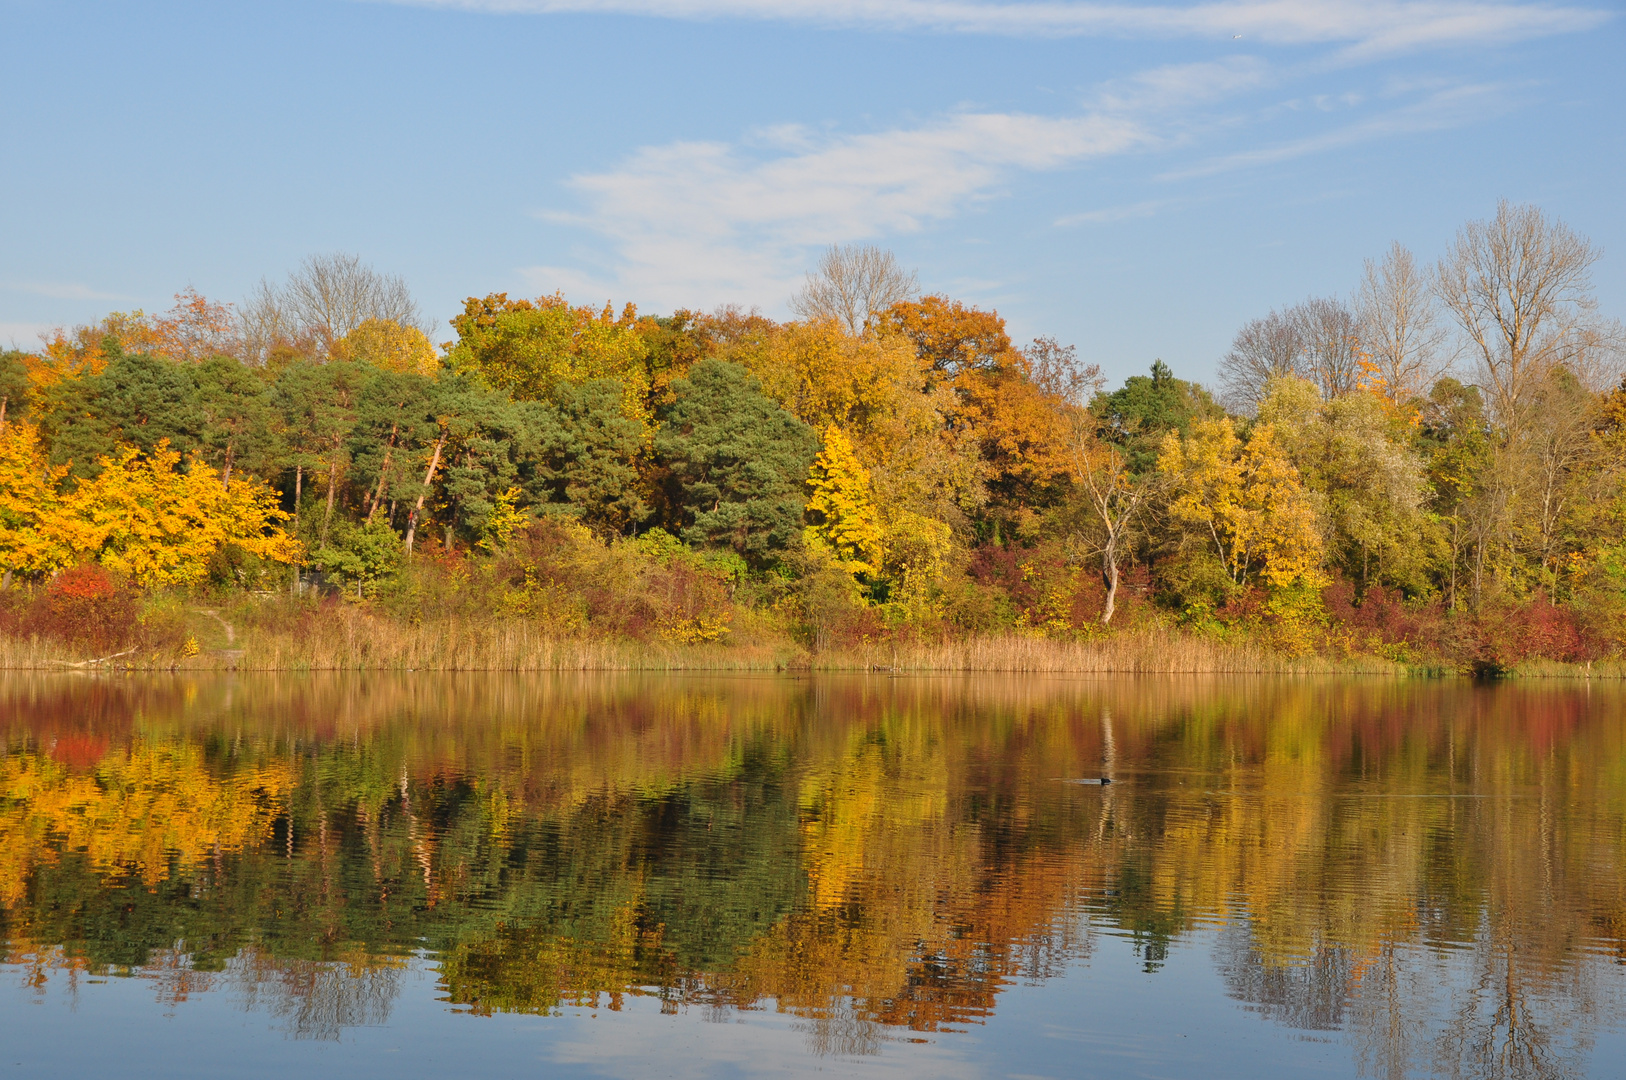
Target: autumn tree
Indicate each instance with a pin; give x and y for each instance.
(28, 496)
(195, 329)
(840, 514)
(87, 349)
(389, 346)
(951, 339)
(529, 349)
(1112, 450)
(1243, 504)
(1355, 459)
(158, 518)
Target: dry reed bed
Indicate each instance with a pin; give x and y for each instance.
(1144, 652)
(356, 640)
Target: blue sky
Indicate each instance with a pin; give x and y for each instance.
(1137, 180)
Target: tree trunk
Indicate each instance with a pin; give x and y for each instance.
(3, 401)
(383, 474)
(225, 474)
(1456, 558)
(332, 493)
(428, 478)
(299, 495)
(1109, 577)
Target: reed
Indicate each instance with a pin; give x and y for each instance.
(355, 639)
(1136, 652)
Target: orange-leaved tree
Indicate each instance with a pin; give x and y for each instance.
(195, 329)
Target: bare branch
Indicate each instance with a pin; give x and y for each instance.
(851, 284)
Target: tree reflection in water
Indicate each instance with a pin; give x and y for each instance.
(1434, 869)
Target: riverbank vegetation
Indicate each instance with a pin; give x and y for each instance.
(1428, 476)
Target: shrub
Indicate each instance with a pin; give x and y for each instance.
(86, 607)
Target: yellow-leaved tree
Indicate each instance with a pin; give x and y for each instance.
(28, 493)
(840, 513)
(1247, 500)
(529, 348)
(158, 522)
(385, 343)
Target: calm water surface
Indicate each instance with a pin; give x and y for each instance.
(706, 876)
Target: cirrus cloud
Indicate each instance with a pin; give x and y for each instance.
(1367, 27)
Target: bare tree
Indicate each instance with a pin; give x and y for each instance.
(1316, 339)
(331, 295)
(1054, 368)
(1117, 497)
(1329, 345)
(851, 284)
(1564, 415)
(1263, 349)
(264, 323)
(1519, 287)
(1399, 324)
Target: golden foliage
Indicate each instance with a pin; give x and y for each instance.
(1247, 500)
(150, 518)
(527, 348)
(28, 496)
(840, 512)
(385, 343)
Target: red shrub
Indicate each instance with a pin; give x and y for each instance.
(85, 607)
(1537, 629)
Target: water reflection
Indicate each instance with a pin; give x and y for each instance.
(1436, 870)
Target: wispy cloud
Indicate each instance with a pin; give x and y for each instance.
(1439, 111)
(699, 222)
(1112, 214)
(1368, 26)
(59, 290)
(703, 222)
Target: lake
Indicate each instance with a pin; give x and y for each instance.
(657, 875)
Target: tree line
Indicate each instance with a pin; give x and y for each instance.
(1450, 440)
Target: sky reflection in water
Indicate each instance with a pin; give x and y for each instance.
(700, 876)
